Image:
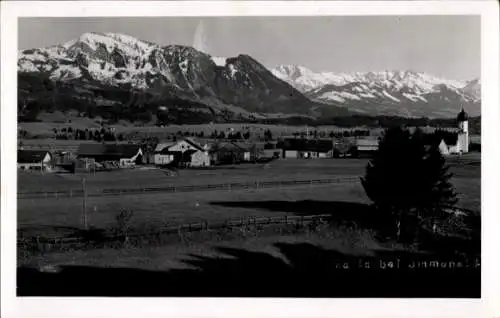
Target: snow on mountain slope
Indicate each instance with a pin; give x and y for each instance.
(120, 61)
(385, 92)
(219, 61)
(117, 66)
(300, 76)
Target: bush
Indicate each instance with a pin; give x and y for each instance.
(122, 225)
(408, 181)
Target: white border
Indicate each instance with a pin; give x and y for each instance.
(290, 308)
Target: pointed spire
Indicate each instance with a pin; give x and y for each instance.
(462, 116)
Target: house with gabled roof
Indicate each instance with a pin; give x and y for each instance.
(126, 155)
(34, 160)
(307, 148)
(185, 153)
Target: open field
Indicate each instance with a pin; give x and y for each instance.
(276, 170)
(296, 263)
(177, 208)
(191, 207)
(288, 261)
(45, 129)
(290, 169)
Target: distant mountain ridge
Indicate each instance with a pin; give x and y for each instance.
(402, 93)
(143, 73)
(130, 79)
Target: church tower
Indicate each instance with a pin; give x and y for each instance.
(463, 132)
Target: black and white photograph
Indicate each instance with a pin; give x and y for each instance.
(325, 156)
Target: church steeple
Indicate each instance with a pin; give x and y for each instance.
(462, 116)
(463, 134)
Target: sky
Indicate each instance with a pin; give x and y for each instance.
(444, 46)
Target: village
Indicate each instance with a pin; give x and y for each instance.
(248, 166)
(181, 151)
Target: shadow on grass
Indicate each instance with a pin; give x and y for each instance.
(340, 211)
(364, 216)
(305, 270)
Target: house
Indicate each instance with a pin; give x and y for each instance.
(228, 153)
(365, 147)
(445, 142)
(236, 152)
(250, 151)
(272, 153)
(125, 155)
(307, 149)
(162, 155)
(184, 153)
(34, 160)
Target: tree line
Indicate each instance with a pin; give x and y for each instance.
(98, 135)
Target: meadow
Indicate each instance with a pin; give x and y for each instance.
(275, 170)
(57, 120)
(288, 260)
(193, 206)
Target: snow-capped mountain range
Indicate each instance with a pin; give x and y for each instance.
(124, 72)
(110, 58)
(108, 61)
(405, 93)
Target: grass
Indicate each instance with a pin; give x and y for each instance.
(278, 263)
(361, 243)
(277, 170)
(59, 121)
(297, 263)
(186, 207)
(174, 208)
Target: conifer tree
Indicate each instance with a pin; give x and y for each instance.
(407, 180)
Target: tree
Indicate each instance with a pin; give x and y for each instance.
(268, 135)
(256, 152)
(408, 181)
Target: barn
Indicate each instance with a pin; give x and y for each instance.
(124, 155)
(184, 153)
(34, 160)
(307, 149)
(235, 152)
(365, 147)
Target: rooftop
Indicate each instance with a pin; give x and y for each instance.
(31, 156)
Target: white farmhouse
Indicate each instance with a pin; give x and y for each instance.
(34, 160)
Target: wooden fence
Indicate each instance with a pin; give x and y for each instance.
(199, 226)
(185, 188)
